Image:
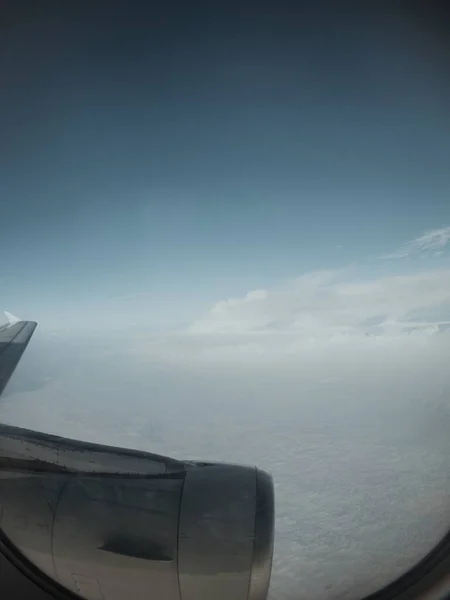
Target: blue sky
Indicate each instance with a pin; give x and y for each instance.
(156, 165)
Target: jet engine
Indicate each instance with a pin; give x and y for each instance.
(89, 521)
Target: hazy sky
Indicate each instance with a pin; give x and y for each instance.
(155, 161)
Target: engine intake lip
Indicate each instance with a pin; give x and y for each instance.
(226, 531)
(264, 537)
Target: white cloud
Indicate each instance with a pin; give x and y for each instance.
(330, 304)
(311, 314)
(321, 318)
(433, 242)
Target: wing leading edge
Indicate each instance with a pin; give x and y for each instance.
(14, 338)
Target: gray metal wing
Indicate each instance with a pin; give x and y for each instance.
(14, 338)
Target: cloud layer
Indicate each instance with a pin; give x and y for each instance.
(333, 305)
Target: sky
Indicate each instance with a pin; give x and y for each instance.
(157, 161)
(232, 226)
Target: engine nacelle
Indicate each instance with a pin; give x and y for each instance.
(151, 527)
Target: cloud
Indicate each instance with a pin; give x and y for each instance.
(321, 318)
(324, 307)
(330, 304)
(313, 313)
(434, 242)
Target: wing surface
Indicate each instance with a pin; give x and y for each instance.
(14, 338)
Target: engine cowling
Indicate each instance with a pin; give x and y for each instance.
(152, 528)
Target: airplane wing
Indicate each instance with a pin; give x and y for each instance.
(14, 338)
